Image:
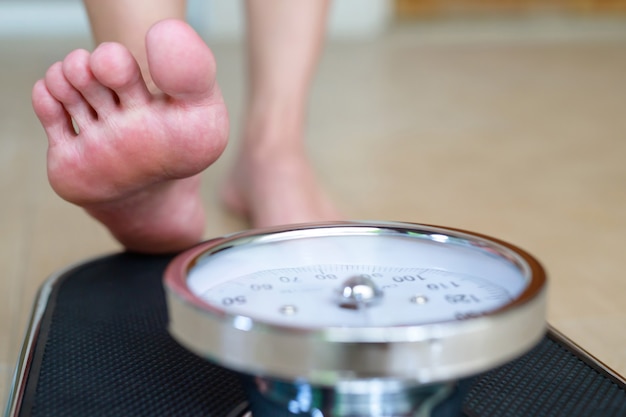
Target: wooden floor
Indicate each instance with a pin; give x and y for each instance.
(517, 131)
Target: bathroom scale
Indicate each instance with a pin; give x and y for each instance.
(328, 319)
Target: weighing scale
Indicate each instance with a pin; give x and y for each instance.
(336, 319)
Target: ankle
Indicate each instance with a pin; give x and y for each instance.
(273, 132)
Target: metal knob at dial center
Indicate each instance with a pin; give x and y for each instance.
(357, 292)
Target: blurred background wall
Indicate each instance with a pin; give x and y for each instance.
(223, 19)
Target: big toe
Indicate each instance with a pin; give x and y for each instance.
(180, 62)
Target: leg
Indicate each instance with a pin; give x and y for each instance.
(273, 182)
(141, 142)
(127, 22)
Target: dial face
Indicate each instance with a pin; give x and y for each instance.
(356, 277)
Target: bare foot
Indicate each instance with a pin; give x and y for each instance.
(273, 183)
(134, 160)
(278, 192)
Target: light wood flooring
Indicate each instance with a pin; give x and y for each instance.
(517, 131)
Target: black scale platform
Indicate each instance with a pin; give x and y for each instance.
(102, 349)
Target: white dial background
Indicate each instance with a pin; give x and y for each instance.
(292, 279)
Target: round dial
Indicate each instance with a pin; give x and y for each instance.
(357, 296)
(414, 297)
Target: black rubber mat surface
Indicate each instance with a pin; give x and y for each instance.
(103, 350)
(549, 381)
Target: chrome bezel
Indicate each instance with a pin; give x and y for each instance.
(427, 353)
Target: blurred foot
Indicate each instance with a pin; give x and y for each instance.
(273, 183)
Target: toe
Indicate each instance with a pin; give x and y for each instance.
(51, 113)
(61, 89)
(77, 71)
(180, 63)
(114, 67)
